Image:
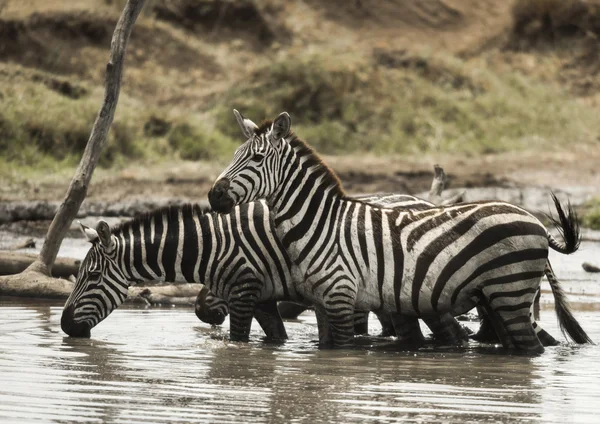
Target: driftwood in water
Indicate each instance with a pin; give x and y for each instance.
(438, 185)
(43, 287)
(588, 267)
(156, 298)
(36, 285)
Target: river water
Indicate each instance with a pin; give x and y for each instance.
(163, 365)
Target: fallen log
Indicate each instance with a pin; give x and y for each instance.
(13, 263)
(35, 285)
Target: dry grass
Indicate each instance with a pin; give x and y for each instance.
(184, 74)
(402, 103)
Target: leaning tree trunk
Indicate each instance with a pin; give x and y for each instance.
(38, 273)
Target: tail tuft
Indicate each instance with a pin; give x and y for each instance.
(567, 225)
(567, 322)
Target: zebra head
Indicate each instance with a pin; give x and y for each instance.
(101, 285)
(255, 171)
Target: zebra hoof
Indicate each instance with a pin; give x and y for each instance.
(486, 333)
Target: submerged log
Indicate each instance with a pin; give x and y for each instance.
(588, 267)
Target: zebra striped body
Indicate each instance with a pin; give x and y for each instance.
(212, 310)
(236, 256)
(440, 260)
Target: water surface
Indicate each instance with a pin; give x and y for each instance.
(162, 365)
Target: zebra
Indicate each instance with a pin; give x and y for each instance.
(189, 244)
(445, 329)
(229, 254)
(353, 255)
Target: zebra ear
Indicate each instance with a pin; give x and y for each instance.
(248, 127)
(281, 126)
(89, 233)
(103, 230)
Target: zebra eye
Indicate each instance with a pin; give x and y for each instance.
(95, 275)
(258, 157)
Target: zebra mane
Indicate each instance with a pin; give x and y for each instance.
(171, 212)
(305, 150)
(263, 127)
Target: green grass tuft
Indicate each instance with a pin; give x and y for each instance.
(409, 104)
(194, 142)
(590, 212)
(392, 102)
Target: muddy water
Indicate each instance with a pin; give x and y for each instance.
(162, 365)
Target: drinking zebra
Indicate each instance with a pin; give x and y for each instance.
(353, 255)
(236, 256)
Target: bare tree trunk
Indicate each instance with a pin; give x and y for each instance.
(36, 280)
(79, 185)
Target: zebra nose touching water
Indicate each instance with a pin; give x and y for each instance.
(409, 264)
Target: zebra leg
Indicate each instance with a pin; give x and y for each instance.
(407, 329)
(486, 332)
(267, 315)
(387, 325)
(536, 305)
(339, 307)
(510, 313)
(361, 322)
(496, 323)
(325, 338)
(545, 338)
(446, 329)
(242, 306)
(290, 310)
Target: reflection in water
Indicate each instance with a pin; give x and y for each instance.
(162, 365)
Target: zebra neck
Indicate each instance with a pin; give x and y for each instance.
(167, 248)
(304, 178)
(306, 205)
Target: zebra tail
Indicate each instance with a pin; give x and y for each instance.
(567, 225)
(567, 322)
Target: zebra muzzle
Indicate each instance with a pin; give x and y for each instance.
(72, 328)
(219, 197)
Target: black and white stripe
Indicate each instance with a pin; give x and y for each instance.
(235, 256)
(426, 263)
